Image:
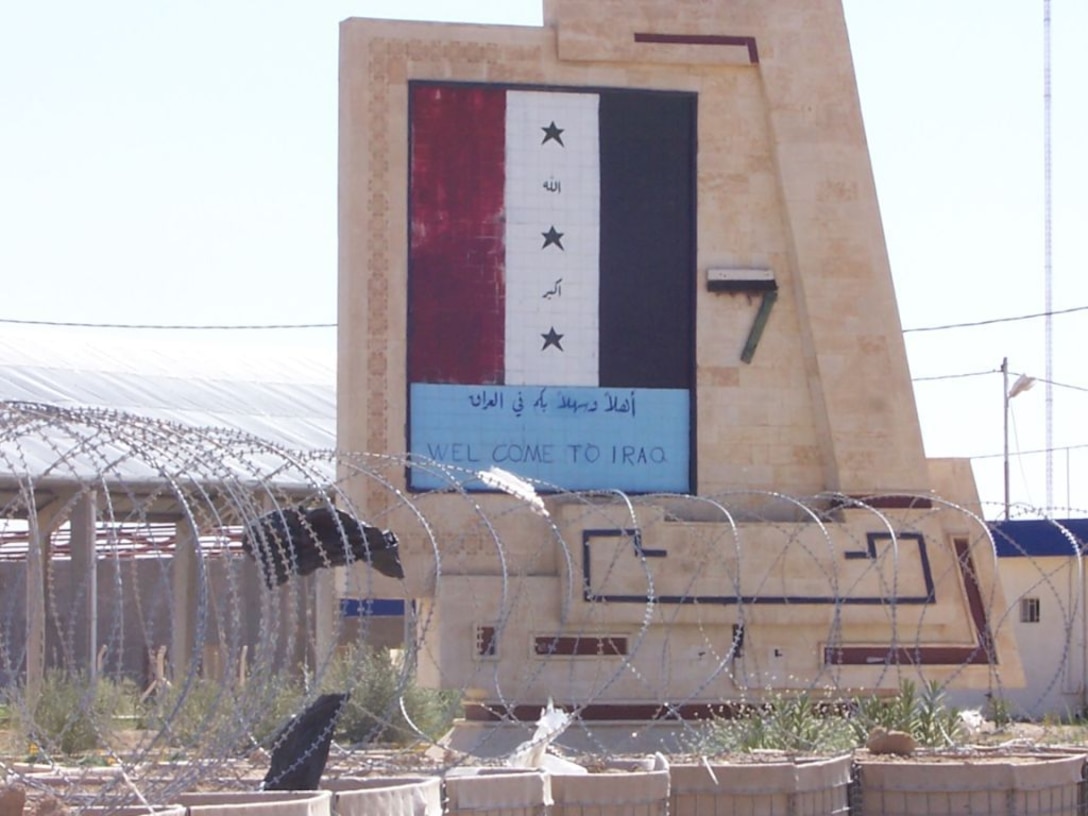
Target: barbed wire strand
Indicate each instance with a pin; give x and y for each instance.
(229, 693)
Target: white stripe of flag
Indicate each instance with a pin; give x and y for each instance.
(552, 186)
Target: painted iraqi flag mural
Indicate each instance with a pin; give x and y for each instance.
(551, 273)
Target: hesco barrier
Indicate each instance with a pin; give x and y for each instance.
(392, 796)
(498, 792)
(1037, 784)
(636, 793)
(278, 803)
(1044, 783)
(808, 786)
(177, 810)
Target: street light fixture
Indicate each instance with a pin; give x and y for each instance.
(1022, 384)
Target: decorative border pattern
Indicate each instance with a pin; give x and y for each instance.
(982, 653)
(731, 600)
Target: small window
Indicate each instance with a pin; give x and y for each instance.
(738, 641)
(487, 643)
(1029, 610)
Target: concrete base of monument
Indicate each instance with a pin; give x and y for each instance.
(493, 740)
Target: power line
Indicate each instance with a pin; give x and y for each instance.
(264, 326)
(939, 377)
(1062, 385)
(1035, 452)
(997, 320)
(171, 327)
(955, 376)
(952, 376)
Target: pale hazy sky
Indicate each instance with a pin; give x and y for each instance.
(175, 162)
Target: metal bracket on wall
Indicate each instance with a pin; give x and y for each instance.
(758, 325)
(750, 282)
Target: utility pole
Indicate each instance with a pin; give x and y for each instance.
(1005, 402)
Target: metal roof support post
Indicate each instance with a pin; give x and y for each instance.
(42, 521)
(37, 555)
(326, 614)
(84, 522)
(183, 611)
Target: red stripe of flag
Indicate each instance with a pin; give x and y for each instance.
(455, 284)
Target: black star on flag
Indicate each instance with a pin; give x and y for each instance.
(552, 236)
(552, 132)
(552, 338)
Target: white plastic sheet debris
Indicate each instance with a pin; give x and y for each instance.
(974, 723)
(531, 754)
(518, 488)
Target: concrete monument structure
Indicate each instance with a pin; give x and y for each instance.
(637, 252)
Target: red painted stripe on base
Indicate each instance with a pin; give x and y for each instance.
(914, 656)
(580, 645)
(457, 251)
(885, 501)
(975, 604)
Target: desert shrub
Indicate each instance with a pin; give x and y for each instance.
(75, 713)
(205, 712)
(999, 710)
(265, 707)
(925, 715)
(797, 723)
(184, 714)
(793, 723)
(377, 684)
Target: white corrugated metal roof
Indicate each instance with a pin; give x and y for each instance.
(285, 394)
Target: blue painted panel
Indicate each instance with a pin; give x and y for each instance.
(575, 438)
(1027, 538)
(372, 607)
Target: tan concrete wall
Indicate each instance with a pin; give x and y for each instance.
(826, 404)
(784, 182)
(1051, 649)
